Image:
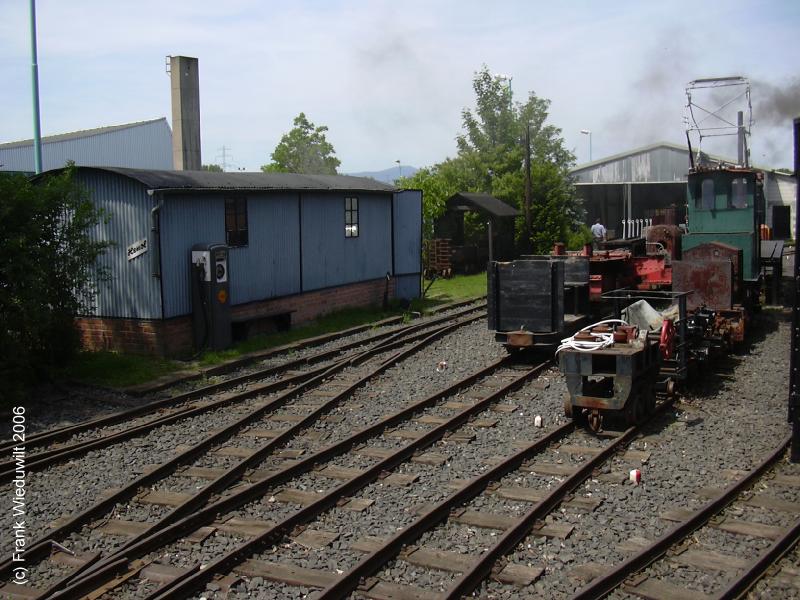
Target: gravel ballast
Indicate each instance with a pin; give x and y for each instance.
(724, 423)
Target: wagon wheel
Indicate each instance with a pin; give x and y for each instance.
(568, 412)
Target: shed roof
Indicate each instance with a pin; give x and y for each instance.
(485, 202)
(679, 148)
(210, 181)
(83, 133)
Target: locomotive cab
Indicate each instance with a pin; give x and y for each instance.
(726, 206)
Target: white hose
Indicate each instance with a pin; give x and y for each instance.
(601, 340)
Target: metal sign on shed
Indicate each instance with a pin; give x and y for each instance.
(137, 248)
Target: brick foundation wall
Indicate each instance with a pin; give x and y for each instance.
(173, 337)
(136, 336)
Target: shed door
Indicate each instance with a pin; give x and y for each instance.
(407, 242)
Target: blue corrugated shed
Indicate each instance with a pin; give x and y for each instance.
(296, 235)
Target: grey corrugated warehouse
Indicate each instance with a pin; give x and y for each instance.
(648, 182)
(300, 244)
(140, 145)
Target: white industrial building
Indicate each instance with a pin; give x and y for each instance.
(140, 145)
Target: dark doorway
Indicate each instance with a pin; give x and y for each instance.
(781, 215)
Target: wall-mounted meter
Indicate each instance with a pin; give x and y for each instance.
(211, 307)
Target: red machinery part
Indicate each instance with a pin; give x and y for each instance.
(667, 341)
(609, 270)
(652, 272)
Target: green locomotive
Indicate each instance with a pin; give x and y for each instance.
(725, 205)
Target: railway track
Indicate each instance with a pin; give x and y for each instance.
(248, 455)
(68, 442)
(250, 537)
(701, 540)
(481, 507)
(514, 499)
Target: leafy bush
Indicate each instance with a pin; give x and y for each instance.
(47, 273)
(578, 238)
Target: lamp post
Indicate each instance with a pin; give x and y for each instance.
(37, 135)
(399, 169)
(589, 133)
(794, 356)
(528, 186)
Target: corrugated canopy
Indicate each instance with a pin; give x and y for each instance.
(465, 201)
(207, 180)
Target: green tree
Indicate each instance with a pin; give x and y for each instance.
(304, 150)
(437, 183)
(491, 157)
(214, 168)
(494, 144)
(47, 272)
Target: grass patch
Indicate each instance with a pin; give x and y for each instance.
(115, 370)
(460, 287)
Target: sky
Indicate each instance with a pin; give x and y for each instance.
(390, 79)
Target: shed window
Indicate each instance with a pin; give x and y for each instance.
(705, 199)
(236, 221)
(738, 197)
(350, 217)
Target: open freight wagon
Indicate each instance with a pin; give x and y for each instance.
(535, 301)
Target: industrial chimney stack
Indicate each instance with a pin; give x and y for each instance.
(185, 85)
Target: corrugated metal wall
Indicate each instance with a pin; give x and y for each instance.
(330, 259)
(132, 291)
(267, 267)
(408, 286)
(407, 216)
(187, 219)
(661, 164)
(144, 146)
(272, 257)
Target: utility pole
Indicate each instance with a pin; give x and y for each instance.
(528, 186)
(224, 158)
(37, 133)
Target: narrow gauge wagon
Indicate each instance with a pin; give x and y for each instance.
(535, 301)
(613, 368)
(615, 379)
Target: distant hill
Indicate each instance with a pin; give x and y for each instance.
(388, 175)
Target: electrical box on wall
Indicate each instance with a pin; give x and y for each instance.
(211, 307)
